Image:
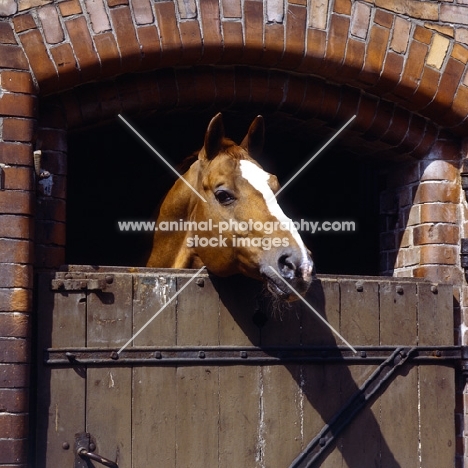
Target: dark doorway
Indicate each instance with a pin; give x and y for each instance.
(114, 177)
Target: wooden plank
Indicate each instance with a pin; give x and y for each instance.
(154, 416)
(197, 420)
(324, 297)
(152, 294)
(154, 396)
(197, 417)
(360, 326)
(435, 314)
(109, 390)
(110, 313)
(437, 383)
(240, 407)
(197, 312)
(61, 391)
(398, 326)
(321, 384)
(280, 423)
(239, 391)
(360, 312)
(281, 395)
(240, 299)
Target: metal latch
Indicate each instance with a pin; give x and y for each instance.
(79, 283)
(84, 448)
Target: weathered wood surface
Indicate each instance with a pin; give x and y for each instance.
(109, 391)
(61, 391)
(436, 384)
(241, 416)
(153, 415)
(399, 405)
(360, 325)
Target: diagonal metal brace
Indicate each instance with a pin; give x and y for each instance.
(347, 413)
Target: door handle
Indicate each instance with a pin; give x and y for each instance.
(95, 457)
(84, 448)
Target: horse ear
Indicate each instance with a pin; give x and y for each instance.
(213, 137)
(253, 141)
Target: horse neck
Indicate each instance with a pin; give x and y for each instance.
(180, 201)
(169, 248)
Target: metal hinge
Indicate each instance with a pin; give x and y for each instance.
(71, 282)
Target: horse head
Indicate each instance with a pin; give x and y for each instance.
(224, 215)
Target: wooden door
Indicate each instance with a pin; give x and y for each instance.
(211, 387)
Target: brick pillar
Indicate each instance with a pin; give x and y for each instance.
(421, 214)
(17, 113)
(438, 211)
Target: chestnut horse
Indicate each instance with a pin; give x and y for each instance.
(228, 219)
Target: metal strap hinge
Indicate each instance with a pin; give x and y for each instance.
(225, 355)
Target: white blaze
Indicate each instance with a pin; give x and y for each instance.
(258, 178)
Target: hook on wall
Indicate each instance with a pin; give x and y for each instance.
(40, 173)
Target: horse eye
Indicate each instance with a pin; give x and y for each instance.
(223, 197)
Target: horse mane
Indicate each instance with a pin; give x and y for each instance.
(185, 164)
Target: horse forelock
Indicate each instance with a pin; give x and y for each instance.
(232, 150)
(228, 147)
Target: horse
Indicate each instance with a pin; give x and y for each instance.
(222, 214)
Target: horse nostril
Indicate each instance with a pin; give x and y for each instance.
(286, 266)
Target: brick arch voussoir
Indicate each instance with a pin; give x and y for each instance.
(379, 125)
(436, 91)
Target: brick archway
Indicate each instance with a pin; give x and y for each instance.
(406, 56)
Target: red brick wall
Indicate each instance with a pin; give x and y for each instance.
(399, 65)
(18, 111)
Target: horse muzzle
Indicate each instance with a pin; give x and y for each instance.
(289, 277)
